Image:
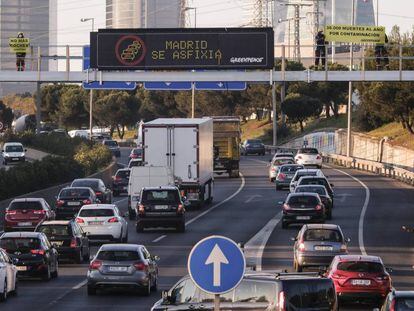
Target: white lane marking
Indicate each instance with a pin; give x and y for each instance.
(363, 211)
(254, 248)
(159, 238)
(252, 197)
(121, 200)
(258, 161)
(220, 203)
(80, 285)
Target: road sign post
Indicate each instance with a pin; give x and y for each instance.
(216, 265)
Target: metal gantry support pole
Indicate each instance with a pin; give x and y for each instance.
(351, 62)
(192, 99)
(216, 302)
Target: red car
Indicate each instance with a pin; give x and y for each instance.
(136, 153)
(26, 214)
(360, 278)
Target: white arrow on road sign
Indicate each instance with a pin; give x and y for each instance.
(217, 258)
(167, 83)
(220, 84)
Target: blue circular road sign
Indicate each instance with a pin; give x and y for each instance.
(216, 264)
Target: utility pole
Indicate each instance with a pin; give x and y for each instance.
(351, 62)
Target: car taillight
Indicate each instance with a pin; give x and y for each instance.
(182, 192)
(39, 212)
(273, 169)
(113, 219)
(134, 156)
(286, 207)
(95, 265)
(141, 209)
(80, 220)
(117, 178)
(98, 193)
(59, 203)
(343, 248)
(383, 278)
(318, 157)
(37, 252)
(301, 246)
(282, 301)
(281, 176)
(180, 209)
(318, 207)
(11, 212)
(140, 266)
(86, 202)
(73, 243)
(338, 276)
(392, 306)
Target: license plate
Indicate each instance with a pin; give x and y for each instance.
(303, 217)
(361, 282)
(24, 224)
(323, 248)
(96, 223)
(15, 159)
(57, 243)
(160, 207)
(73, 203)
(21, 268)
(118, 269)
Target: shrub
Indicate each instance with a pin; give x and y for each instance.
(92, 158)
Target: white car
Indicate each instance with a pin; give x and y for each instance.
(275, 164)
(304, 172)
(13, 152)
(309, 157)
(79, 133)
(283, 155)
(135, 162)
(103, 222)
(8, 276)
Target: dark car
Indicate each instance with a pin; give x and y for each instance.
(304, 207)
(26, 214)
(36, 257)
(68, 238)
(253, 146)
(399, 300)
(317, 244)
(323, 194)
(112, 146)
(123, 266)
(103, 193)
(120, 181)
(258, 291)
(317, 180)
(136, 153)
(160, 207)
(71, 199)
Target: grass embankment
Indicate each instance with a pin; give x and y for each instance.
(397, 135)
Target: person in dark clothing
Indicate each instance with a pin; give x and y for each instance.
(381, 55)
(20, 57)
(320, 52)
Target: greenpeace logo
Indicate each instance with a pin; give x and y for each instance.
(246, 60)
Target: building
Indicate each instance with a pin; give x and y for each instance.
(38, 22)
(145, 13)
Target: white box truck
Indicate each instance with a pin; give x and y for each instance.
(146, 176)
(186, 147)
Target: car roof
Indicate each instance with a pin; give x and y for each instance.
(161, 188)
(97, 206)
(82, 188)
(86, 179)
(308, 170)
(369, 258)
(322, 226)
(21, 234)
(283, 158)
(55, 222)
(28, 200)
(120, 247)
(123, 170)
(313, 186)
(135, 160)
(13, 144)
(301, 194)
(313, 177)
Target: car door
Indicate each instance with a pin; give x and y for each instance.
(184, 297)
(254, 295)
(51, 250)
(78, 233)
(4, 273)
(49, 212)
(11, 271)
(152, 265)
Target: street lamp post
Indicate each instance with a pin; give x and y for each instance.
(192, 83)
(351, 62)
(90, 91)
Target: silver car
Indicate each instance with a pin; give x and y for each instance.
(123, 266)
(276, 164)
(285, 175)
(317, 244)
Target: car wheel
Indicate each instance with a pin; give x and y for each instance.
(131, 215)
(86, 256)
(181, 227)
(16, 288)
(140, 227)
(91, 290)
(116, 193)
(154, 286)
(79, 257)
(284, 225)
(55, 273)
(47, 276)
(147, 290)
(298, 268)
(125, 239)
(3, 296)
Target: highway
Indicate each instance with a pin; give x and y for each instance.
(370, 209)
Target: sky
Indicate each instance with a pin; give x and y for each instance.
(210, 13)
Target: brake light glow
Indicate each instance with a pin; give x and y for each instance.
(301, 246)
(80, 220)
(383, 278)
(117, 178)
(338, 276)
(11, 212)
(141, 209)
(59, 203)
(98, 193)
(281, 176)
(140, 266)
(86, 202)
(392, 307)
(318, 207)
(73, 243)
(39, 212)
(180, 209)
(282, 301)
(286, 207)
(37, 252)
(95, 265)
(113, 219)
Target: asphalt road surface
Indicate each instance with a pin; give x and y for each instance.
(370, 209)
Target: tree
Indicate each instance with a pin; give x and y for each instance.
(50, 105)
(6, 115)
(299, 107)
(72, 107)
(155, 104)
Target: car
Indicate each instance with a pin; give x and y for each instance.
(123, 265)
(100, 137)
(275, 164)
(399, 300)
(8, 276)
(26, 214)
(258, 291)
(136, 153)
(103, 222)
(317, 244)
(283, 155)
(309, 157)
(160, 207)
(34, 255)
(304, 207)
(79, 133)
(112, 146)
(13, 152)
(317, 180)
(360, 278)
(102, 192)
(252, 146)
(71, 199)
(68, 238)
(323, 194)
(285, 174)
(120, 181)
(303, 172)
(135, 162)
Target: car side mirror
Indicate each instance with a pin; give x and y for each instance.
(332, 185)
(280, 202)
(293, 239)
(156, 258)
(348, 240)
(388, 269)
(166, 299)
(15, 261)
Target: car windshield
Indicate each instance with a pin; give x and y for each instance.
(136, 163)
(308, 151)
(14, 149)
(253, 141)
(17, 206)
(118, 255)
(279, 162)
(281, 155)
(318, 294)
(303, 199)
(160, 196)
(101, 212)
(318, 190)
(289, 168)
(301, 174)
(137, 151)
(94, 184)
(111, 143)
(405, 304)
(74, 193)
(361, 266)
(123, 174)
(313, 181)
(53, 230)
(322, 235)
(21, 244)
